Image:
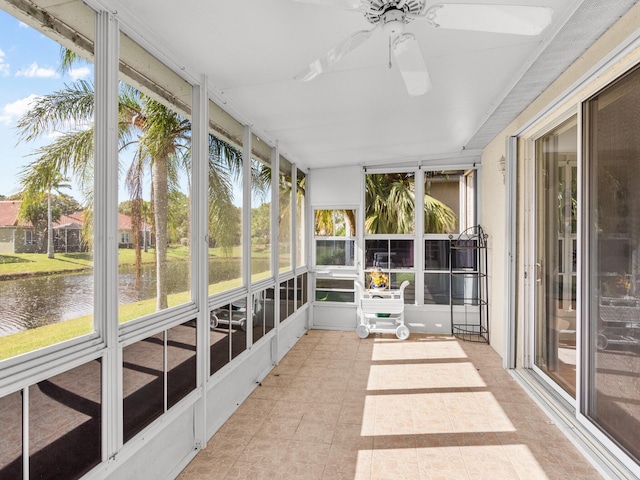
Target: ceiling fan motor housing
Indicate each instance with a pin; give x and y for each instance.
(393, 15)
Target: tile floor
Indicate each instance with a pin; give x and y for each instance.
(431, 407)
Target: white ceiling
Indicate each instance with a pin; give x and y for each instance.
(359, 112)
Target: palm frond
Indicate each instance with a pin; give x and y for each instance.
(67, 109)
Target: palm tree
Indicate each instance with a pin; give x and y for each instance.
(162, 140)
(38, 179)
(390, 206)
(225, 169)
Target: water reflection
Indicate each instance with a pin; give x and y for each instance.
(37, 301)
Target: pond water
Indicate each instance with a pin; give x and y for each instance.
(33, 302)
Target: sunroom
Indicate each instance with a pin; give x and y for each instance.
(276, 162)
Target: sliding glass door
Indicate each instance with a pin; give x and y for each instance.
(556, 253)
(612, 340)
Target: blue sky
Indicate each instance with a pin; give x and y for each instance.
(28, 68)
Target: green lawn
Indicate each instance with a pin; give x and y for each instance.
(40, 337)
(19, 264)
(38, 263)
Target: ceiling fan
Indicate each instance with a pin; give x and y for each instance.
(391, 16)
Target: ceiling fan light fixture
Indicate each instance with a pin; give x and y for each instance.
(393, 22)
(393, 28)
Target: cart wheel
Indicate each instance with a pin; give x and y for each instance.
(362, 331)
(402, 332)
(243, 324)
(213, 321)
(601, 342)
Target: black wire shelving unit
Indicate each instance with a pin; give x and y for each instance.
(468, 288)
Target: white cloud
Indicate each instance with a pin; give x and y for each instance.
(4, 66)
(23, 25)
(78, 73)
(12, 111)
(34, 70)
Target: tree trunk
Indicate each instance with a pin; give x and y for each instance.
(350, 217)
(50, 249)
(160, 213)
(136, 213)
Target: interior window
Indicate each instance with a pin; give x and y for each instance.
(301, 205)
(389, 228)
(335, 232)
(442, 206)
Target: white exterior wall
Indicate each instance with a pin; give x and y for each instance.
(493, 217)
(335, 187)
(167, 446)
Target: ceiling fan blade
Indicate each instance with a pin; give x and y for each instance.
(348, 4)
(324, 62)
(514, 19)
(411, 64)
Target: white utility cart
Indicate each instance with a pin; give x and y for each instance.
(381, 311)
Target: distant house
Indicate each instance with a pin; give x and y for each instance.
(125, 236)
(20, 236)
(16, 236)
(67, 236)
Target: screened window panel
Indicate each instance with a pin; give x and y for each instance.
(228, 331)
(11, 435)
(287, 299)
(181, 362)
(142, 384)
(219, 339)
(65, 423)
(260, 209)
(46, 276)
(285, 215)
(154, 204)
(239, 323)
(302, 286)
(225, 200)
(334, 290)
(264, 319)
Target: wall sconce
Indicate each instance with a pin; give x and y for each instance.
(502, 166)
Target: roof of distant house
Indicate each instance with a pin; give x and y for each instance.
(9, 218)
(124, 221)
(71, 222)
(9, 214)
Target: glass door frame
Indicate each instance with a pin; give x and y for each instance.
(528, 162)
